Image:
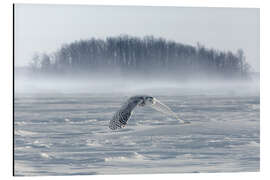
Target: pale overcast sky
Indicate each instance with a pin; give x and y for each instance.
(44, 28)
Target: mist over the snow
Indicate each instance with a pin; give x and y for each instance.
(27, 83)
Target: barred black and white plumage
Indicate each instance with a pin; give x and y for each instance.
(121, 117)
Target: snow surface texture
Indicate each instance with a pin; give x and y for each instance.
(68, 134)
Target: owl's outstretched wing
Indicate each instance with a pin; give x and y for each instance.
(157, 105)
(121, 117)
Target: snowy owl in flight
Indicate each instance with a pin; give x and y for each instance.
(121, 117)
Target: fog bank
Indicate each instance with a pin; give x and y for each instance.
(133, 85)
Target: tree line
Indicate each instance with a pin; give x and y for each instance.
(146, 56)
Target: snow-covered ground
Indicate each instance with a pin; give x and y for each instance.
(68, 134)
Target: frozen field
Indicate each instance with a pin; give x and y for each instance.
(68, 134)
